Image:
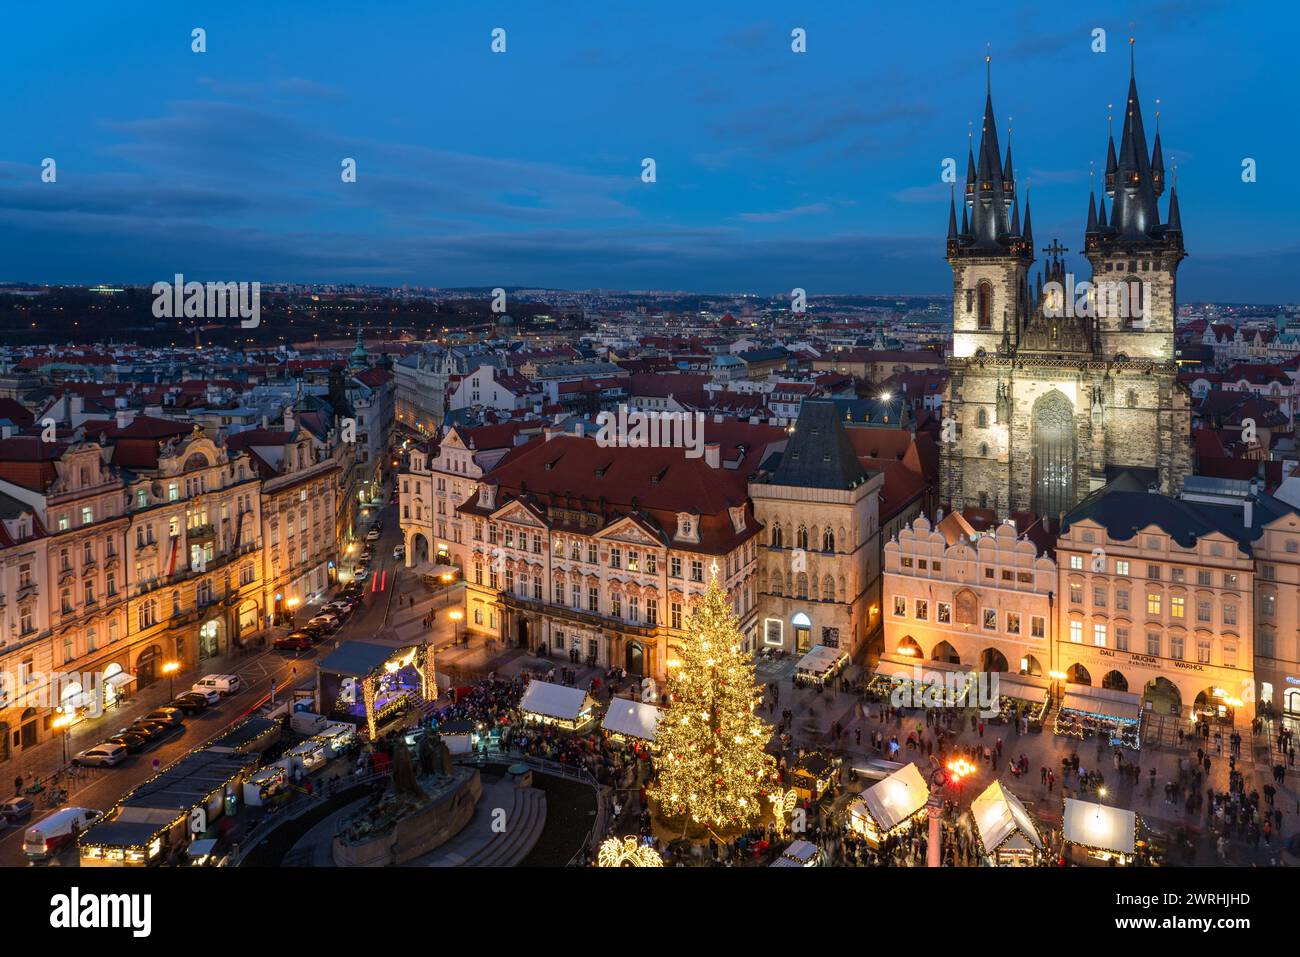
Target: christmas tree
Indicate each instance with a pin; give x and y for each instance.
(712, 769)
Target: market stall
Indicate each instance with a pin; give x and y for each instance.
(1006, 832)
(1022, 696)
(799, 854)
(1116, 715)
(156, 821)
(558, 705)
(265, 784)
(632, 719)
(311, 755)
(1099, 833)
(820, 665)
(890, 806)
(813, 773)
(913, 677)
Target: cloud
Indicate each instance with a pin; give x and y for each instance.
(780, 215)
(933, 193)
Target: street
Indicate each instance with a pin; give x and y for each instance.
(102, 788)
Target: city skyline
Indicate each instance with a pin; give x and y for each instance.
(773, 169)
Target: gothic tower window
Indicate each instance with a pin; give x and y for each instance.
(984, 450)
(801, 538)
(828, 541)
(776, 535)
(1134, 304)
(984, 295)
(1132, 399)
(1053, 454)
(982, 419)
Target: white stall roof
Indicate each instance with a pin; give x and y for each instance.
(798, 854)
(895, 799)
(635, 719)
(999, 814)
(820, 659)
(1099, 825)
(553, 701)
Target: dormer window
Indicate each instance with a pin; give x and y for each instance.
(737, 518)
(687, 527)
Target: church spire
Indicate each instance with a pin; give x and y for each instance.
(1029, 230)
(1158, 158)
(1134, 214)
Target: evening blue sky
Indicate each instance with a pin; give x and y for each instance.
(775, 170)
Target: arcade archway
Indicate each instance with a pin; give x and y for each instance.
(946, 652)
(1161, 696)
(908, 648)
(418, 553)
(1078, 675)
(1114, 681)
(993, 660)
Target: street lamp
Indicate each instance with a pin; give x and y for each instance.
(455, 615)
(169, 669)
(63, 722)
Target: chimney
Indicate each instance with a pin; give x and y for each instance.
(78, 405)
(288, 421)
(1248, 512)
(123, 417)
(551, 431)
(713, 455)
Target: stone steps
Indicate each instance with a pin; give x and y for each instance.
(524, 822)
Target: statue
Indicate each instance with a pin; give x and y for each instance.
(435, 756)
(404, 781)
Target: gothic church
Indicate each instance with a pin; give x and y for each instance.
(1046, 402)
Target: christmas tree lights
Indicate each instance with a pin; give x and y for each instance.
(712, 767)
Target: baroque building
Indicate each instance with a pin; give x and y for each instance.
(1055, 390)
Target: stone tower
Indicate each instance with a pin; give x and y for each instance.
(1055, 390)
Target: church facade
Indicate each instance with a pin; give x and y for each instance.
(1057, 387)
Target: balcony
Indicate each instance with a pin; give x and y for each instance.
(577, 616)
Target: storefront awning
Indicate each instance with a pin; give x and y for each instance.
(1099, 826)
(119, 680)
(821, 660)
(1021, 686)
(999, 816)
(1119, 705)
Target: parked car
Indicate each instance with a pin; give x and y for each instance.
(340, 607)
(317, 632)
(130, 740)
(149, 729)
(166, 715)
(326, 621)
(210, 695)
(297, 641)
(103, 755)
(361, 575)
(16, 810)
(312, 637)
(372, 535)
(191, 702)
(222, 684)
(399, 552)
(49, 835)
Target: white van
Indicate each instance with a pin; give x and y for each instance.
(46, 838)
(221, 684)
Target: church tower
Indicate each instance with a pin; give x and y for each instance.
(1055, 390)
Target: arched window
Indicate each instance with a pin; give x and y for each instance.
(778, 585)
(801, 538)
(828, 588)
(801, 586)
(776, 535)
(982, 419)
(984, 450)
(1132, 399)
(984, 304)
(828, 541)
